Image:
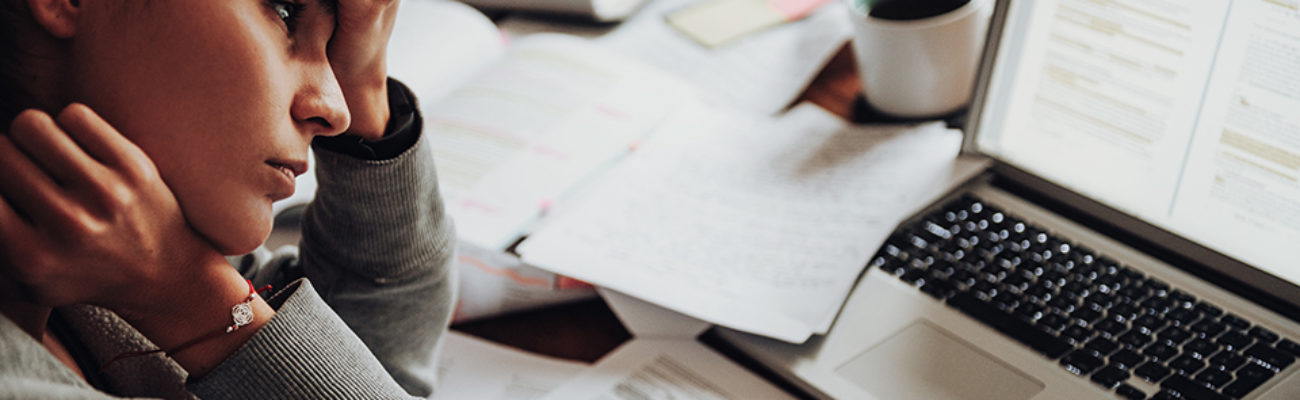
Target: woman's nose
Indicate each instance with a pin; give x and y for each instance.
(319, 107)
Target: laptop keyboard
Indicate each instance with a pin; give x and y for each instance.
(1101, 320)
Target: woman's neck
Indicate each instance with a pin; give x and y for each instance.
(29, 317)
(34, 319)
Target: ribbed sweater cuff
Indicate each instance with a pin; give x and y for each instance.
(368, 214)
(304, 352)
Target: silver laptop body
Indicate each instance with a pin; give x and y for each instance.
(1160, 138)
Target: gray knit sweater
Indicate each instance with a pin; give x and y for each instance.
(359, 310)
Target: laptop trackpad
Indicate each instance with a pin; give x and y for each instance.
(924, 361)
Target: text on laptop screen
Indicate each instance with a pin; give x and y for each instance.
(1184, 114)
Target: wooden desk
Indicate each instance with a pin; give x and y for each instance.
(587, 330)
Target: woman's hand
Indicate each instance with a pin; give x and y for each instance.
(358, 52)
(86, 218)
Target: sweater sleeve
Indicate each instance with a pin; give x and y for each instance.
(304, 352)
(379, 249)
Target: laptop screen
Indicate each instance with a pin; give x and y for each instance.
(1183, 114)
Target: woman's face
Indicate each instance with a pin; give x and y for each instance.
(224, 96)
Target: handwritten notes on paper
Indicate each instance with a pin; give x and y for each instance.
(756, 223)
(550, 113)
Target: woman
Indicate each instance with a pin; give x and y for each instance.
(148, 141)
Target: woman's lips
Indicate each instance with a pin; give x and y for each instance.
(287, 171)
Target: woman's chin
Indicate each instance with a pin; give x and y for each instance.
(244, 238)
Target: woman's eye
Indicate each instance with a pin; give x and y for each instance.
(286, 11)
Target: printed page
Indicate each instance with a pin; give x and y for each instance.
(553, 111)
(1240, 187)
(1106, 95)
(763, 72)
(494, 283)
(750, 222)
(659, 369)
(473, 368)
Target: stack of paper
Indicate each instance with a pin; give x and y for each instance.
(757, 223)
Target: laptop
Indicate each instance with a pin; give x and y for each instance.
(1134, 237)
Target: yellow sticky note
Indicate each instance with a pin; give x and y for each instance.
(716, 22)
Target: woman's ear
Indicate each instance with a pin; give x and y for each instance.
(58, 17)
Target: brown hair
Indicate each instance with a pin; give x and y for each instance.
(13, 97)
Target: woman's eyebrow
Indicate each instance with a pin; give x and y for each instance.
(330, 6)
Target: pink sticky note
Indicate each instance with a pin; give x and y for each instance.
(795, 9)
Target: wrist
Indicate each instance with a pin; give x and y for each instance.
(197, 307)
(367, 100)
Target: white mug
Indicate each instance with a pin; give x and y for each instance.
(922, 67)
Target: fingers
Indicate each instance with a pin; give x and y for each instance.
(36, 134)
(29, 190)
(14, 233)
(101, 141)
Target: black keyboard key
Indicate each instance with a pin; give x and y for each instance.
(1110, 377)
(1100, 300)
(1255, 372)
(1182, 316)
(1053, 322)
(1165, 395)
(1006, 301)
(1240, 388)
(1135, 292)
(1029, 312)
(1040, 341)
(1102, 345)
(1249, 378)
(1076, 334)
(1289, 346)
(985, 288)
(962, 278)
(1082, 362)
(1213, 378)
(1187, 364)
(1127, 392)
(1207, 309)
(1264, 335)
(1150, 322)
(1234, 340)
(1086, 314)
(1183, 300)
(1063, 304)
(1123, 312)
(1111, 327)
(1136, 338)
(1201, 347)
(1152, 371)
(1159, 286)
(913, 275)
(1127, 359)
(1191, 390)
(1161, 352)
(1228, 360)
(1263, 352)
(1234, 320)
(1209, 328)
(938, 289)
(1175, 335)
